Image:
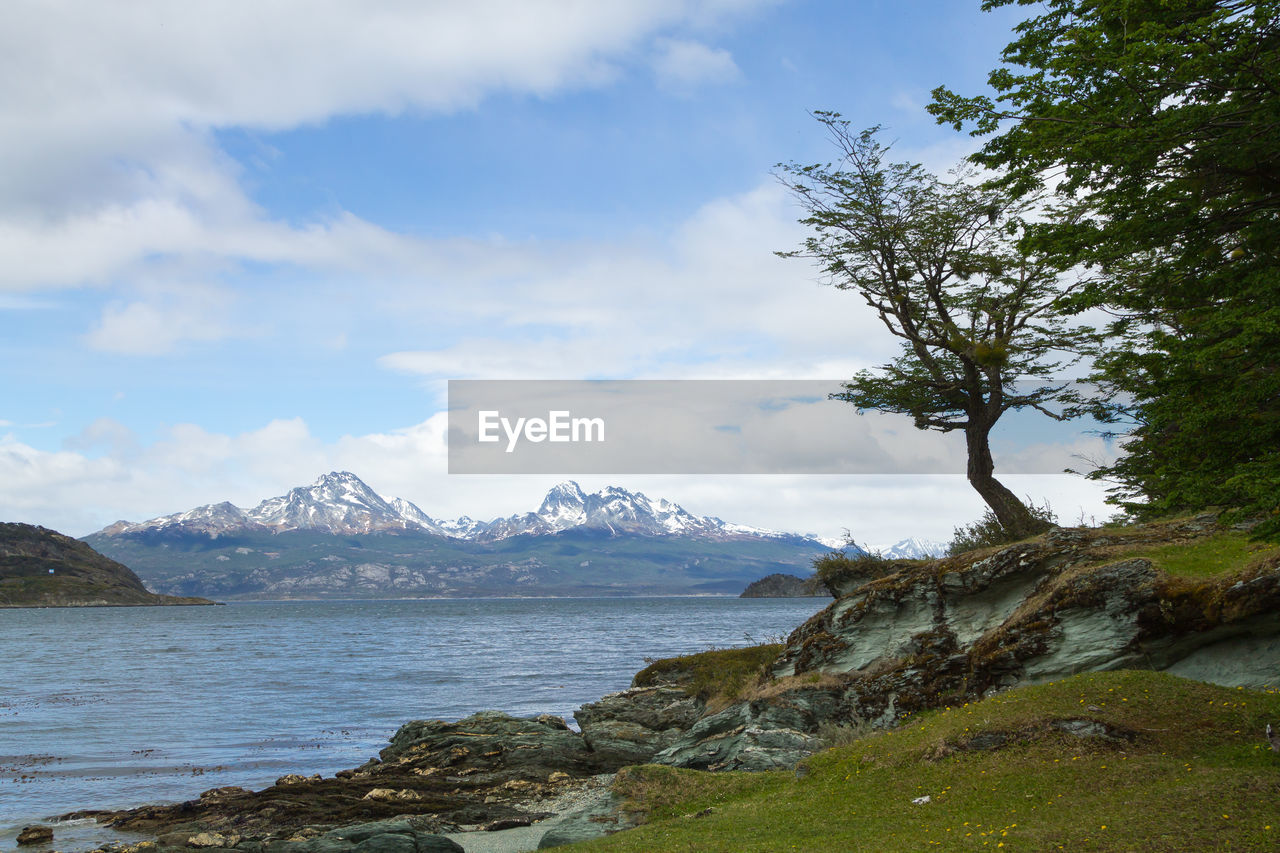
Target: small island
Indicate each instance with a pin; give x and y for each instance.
(780, 585)
(43, 568)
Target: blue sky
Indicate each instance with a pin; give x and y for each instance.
(247, 243)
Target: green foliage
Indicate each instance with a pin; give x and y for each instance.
(945, 266)
(839, 568)
(1197, 775)
(988, 532)
(1160, 121)
(717, 677)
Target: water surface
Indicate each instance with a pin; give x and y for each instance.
(115, 707)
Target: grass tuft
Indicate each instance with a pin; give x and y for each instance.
(1223, 553)
(718, 677)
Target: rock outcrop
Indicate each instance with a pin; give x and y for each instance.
(632, 726)
(602, 816)
(33, 835)
(493, 748)
(768, 734)
(917, 635)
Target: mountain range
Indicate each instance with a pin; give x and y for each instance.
(339, 538)
(341, 503)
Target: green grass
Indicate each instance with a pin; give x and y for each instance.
(1198, 776)
(1220, 554)
(717, 677)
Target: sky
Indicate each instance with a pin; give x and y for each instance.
(243, 243)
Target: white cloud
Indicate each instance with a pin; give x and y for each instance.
(106, 114)
(681, 65)
(712, 301)
(280, 64)
(107, 473)
(158, 324)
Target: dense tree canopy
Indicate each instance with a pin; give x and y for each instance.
(940, 263)
(1160, 121)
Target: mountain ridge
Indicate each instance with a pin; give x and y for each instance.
(337, 538)
(341, 503)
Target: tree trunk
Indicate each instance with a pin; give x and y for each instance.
(1012, 514)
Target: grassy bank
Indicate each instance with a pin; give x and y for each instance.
(1174, 765)
(718, 677)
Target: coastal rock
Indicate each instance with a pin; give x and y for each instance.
(600, 816)
(388, 795)
(296, 779)
(923, 634)
(36, 834)
(493, 747)
(398, 835)
(213, 839)
(485, 768)
(764, 734)
(632, 726)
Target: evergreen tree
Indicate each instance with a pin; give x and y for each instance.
(1160, 121)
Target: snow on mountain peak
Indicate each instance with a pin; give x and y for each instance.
(914, 548)
(340, 502)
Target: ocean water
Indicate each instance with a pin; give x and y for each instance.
(116, 707)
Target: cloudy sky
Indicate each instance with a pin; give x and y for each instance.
(246, 243)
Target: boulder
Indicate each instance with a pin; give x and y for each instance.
(35, 834)
(493, 744)
(632, 726)
(398, 835)
(764, 734)
(596, 818)
(213, 839)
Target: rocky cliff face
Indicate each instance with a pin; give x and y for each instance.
(924, 634)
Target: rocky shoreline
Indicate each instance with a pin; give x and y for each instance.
(487, 773)
(900, 637)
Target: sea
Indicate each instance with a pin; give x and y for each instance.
(115, 707)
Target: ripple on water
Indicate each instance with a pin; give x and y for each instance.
(114, 707)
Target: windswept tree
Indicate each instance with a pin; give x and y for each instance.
(940, 263)
(1160, 121)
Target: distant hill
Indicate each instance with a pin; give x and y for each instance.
(780, 585)
(337, 538)
(43, 568)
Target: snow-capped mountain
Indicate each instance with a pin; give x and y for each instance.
(342, 503)
(339, 503)
(336, 503)
(337, 538)
(914, 548)
(611, 510)
(212, 519)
